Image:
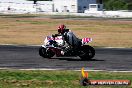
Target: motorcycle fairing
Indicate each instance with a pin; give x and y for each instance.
(59, 40)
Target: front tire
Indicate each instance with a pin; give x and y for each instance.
(46, 53)
(87, 53)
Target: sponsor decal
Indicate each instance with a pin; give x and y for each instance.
(85, 81)
(86, 40)
(56, 38)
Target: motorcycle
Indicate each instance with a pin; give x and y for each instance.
(55, 46)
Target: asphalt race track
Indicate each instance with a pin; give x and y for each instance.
(27, 57)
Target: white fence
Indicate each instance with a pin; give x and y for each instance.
(107, 14)
(47, 8)
(115, 14)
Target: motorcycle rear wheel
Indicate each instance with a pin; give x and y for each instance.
(87, 53)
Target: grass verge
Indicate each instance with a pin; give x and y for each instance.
(26, 29)
(55, 79)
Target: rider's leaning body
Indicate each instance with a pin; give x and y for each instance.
(68, 36)
(70, 40)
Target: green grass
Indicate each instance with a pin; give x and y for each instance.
(55, 79)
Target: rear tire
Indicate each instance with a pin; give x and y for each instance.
(87, 53)
(46, 53)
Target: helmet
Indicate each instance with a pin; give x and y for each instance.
(61, 29)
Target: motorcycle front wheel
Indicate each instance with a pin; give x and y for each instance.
(46, 53)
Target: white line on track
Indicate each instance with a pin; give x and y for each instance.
(45, 69)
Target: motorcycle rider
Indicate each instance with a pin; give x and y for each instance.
(69, 37)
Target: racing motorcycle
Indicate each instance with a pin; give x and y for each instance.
(55, 46)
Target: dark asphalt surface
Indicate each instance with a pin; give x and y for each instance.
(27, 57)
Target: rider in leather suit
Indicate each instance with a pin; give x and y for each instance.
(69, 37)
